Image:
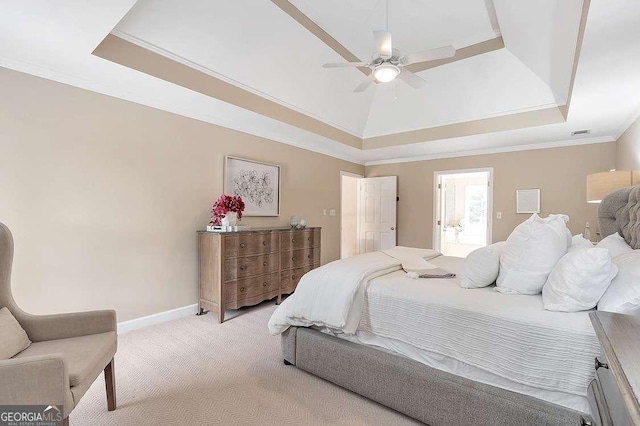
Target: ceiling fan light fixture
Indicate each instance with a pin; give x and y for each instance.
(386, 73)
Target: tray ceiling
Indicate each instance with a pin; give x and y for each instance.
(479, 102)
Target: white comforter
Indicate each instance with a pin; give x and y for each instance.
(332, 296)
(508, 341)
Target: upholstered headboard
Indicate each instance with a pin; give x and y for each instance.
(620, 212)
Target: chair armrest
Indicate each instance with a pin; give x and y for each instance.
(34, 380)
(61, 326)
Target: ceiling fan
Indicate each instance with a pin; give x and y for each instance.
(387, 63)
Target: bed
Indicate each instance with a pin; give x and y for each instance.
(445, 355)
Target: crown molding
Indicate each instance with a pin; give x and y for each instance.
(628, 123)
(500, 150)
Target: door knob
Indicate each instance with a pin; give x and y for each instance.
(393, 228)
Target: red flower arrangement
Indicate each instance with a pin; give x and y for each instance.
(224, 205)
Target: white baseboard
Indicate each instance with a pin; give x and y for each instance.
(158, 318)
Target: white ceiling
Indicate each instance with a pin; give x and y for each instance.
(259, 47)
(416, 25)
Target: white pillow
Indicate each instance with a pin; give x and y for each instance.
(481, 266)
(623, 295)
(579, 242)
(579, 280)
(616, 245)
(531, 252)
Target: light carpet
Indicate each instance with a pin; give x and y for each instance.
(194, 371)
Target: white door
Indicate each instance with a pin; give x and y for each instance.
(463, 206)
(378, 197)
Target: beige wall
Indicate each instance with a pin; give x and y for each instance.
(560, 173)
(104, 196)
(628, 148)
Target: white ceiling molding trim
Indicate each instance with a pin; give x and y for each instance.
(528, 147)
(628, 122)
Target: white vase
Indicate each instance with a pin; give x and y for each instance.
(229, 219)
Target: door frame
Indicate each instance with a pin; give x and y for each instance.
(436, 202)
(353, 175)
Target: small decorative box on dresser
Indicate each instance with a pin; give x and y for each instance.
(244, 268)
(614, 394)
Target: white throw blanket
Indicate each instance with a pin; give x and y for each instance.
(332, 295)
(415, 265)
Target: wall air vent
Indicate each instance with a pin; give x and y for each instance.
(580, 132)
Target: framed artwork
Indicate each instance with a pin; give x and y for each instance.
(257, 183)
(528, 200)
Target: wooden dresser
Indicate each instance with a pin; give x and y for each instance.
(244, 268)
(614, 394)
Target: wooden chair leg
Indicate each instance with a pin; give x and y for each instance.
(110, 380)
(65, 421)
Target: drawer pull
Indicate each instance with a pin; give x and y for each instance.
(293, 240)
(264, 284)
(308, 238)
(293, 259)
(585, 422)
(241, 289)
(264, 263)
(293, 277)
(308, 256)
(242, 268)
(599, 364)
(242, 245)
(264, 243)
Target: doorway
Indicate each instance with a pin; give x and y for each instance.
(349, 201)
(367, 213)
(463, 202)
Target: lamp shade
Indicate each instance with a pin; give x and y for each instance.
(601, 184)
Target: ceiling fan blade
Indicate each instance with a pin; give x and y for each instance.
(366, 83)
(429, 55)
(383, 44)
(411, 79)
(345, 64)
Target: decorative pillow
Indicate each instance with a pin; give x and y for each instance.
(579, 242)
(616, 245)
(14, 339)
(579, 280)
(481, 266)
(531, 252)
(623, 295)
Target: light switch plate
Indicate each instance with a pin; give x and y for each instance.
(332, 212)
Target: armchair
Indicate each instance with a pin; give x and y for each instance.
(67, 353)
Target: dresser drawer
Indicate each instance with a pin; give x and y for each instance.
(289, 279)
(297, 258)
(613, 397)
(248, 244)
(247, 266)
(247, 288)
(300, 239)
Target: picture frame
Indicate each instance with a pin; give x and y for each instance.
(528, 200)
(258, 184)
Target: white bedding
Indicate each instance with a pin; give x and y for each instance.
(332, 296)
(503, 340)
